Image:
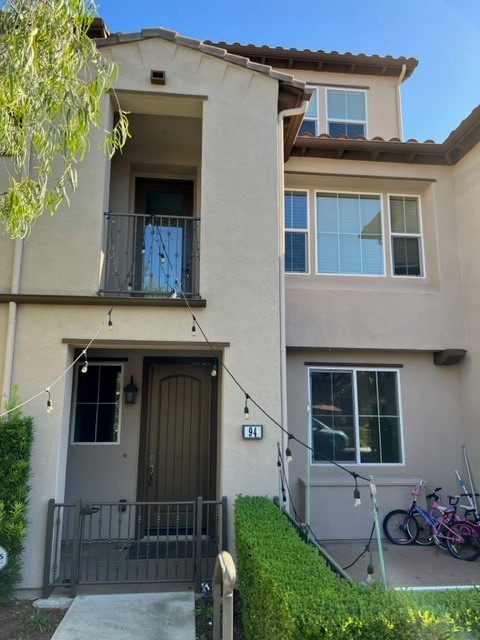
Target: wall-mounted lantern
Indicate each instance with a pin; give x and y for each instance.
(130, 391)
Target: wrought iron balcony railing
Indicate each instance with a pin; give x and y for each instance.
(151, 256)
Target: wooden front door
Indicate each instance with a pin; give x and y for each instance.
(178, 457)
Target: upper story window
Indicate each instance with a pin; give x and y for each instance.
(349, 234)
(346, 112)
(406, 236)
(296, 231)
(352, 234)
(310, 120)
(355, 415)
(97, 404)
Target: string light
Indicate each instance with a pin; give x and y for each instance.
(370, 571)
(288, 452)
(62, 375)
(356, 493)
(85, 364)
(213, 373)
(246, 411)
(194, 329)
(49, 401)
(110, 323)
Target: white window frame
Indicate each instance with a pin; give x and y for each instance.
(353, 371)
(382, 210)
(346, 120)
(77, 373)
(316, 117)
(418, 235)
(305, 232)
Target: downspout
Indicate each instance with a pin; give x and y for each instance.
(401, 78)
(12, 307)
(12, 323)
(281, 285)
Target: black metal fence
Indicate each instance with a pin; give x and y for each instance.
(133, 542)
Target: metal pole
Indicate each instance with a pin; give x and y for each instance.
(373, 495)
(472, 486)
(309, 460)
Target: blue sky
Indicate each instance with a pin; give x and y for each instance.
(443, 35)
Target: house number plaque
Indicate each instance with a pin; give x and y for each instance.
(252, 431)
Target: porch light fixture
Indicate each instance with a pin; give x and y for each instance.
(130, 391)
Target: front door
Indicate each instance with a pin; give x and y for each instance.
(178, 458)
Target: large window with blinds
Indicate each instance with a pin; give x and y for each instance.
(349, 234)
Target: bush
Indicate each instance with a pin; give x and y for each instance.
(288, 591)
(16, 436)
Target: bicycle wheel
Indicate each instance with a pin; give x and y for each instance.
(400, 527)
(464, 541)
(425, 536)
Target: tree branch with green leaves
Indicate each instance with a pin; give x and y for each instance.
(52, 81)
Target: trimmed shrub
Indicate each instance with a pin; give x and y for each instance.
(16, 437)
(288, 591)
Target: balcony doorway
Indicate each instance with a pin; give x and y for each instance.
(164, 236)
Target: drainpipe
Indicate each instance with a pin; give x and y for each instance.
(281, 285)
(401, 78)
(12, 323)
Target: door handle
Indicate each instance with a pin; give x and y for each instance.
(151, 473)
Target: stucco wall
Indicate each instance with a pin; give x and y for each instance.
(237, 182)
(382, 99)
(467, 204)
(380, 312)
(431, 406)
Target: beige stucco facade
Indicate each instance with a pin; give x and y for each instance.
(213, 126)
(221, 135)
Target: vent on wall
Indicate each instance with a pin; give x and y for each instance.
(157, 77)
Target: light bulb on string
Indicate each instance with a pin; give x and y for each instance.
(110, 322)
(370, 571)
(356, 497)
(194, 329)
(85, 363)
(288, 451)
(246, 411)
(213, 372)
(49, 402)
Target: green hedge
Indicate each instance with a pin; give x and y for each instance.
(288, 591)
(16, 436)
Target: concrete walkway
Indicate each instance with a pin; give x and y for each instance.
(409, 566)
(139, 616)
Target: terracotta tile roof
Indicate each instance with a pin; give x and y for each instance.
(323, 61)
(454, 148)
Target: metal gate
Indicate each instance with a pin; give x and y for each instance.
(133, 542)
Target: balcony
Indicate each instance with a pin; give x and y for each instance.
(151, 256)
